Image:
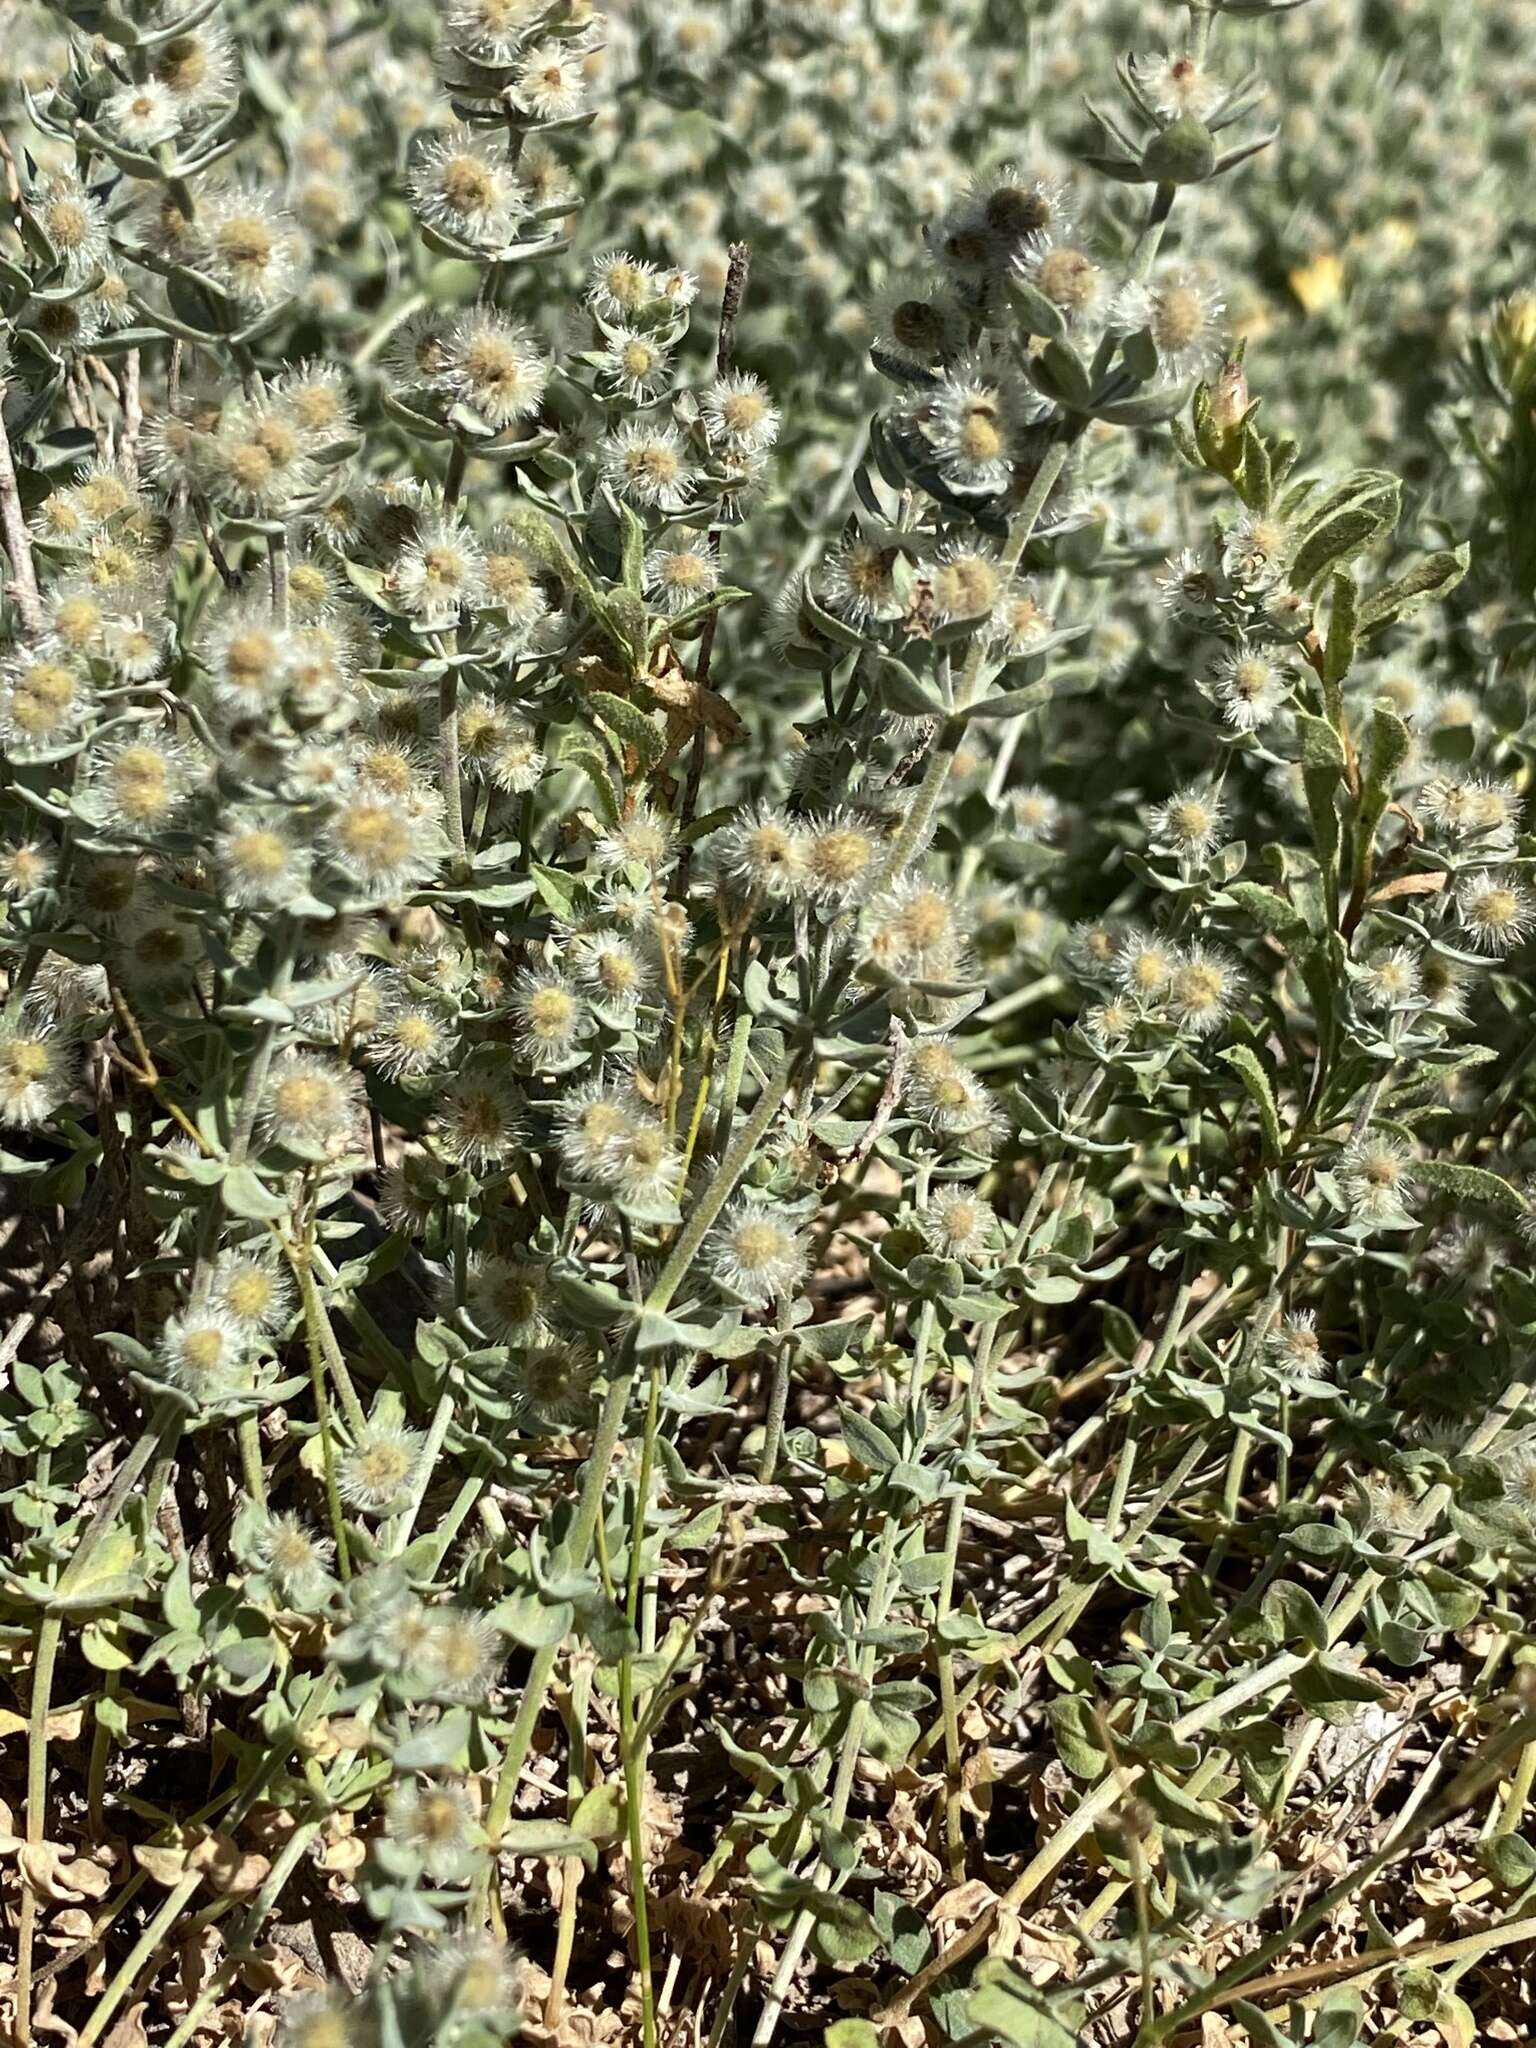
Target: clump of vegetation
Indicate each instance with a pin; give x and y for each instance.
(765, 1062)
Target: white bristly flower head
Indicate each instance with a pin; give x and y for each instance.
(1249, 688)
(1375, 1179)
(550, 83)
(1202, 989)
(1496, 910)
(204, 1352)
(482, 1119)
(550, 1017)
(509, 1300)
(551, 1384)
(26, 866)
(754, 1252)
(462, 1654)
(1144, 965)
(640, 1166)
(436, 1823)
(957, 1224)
(140, 786)
(645, 839)
(678, 576)
(296, 1559)
(377, 1473)
(636, 364)
(1184, 312)
(1019, 620)
(1295, 1349)
(311, 1100)
(35, 1075)
(1064, 274)
(463, 185)
(841, 857)
(623, 287)
(611, 968)
(440, 572)
(143, 116)
(763, 853)
(260, 867)
(1389, 980)
(253, 1291)
(739, 413)
(970, 428)
(380, 847)
(588, 1119)
(253, 250)
(491, 364)
(1036, 813)
(1189, 822)
(646, 462)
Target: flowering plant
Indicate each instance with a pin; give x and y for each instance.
(764, 1047)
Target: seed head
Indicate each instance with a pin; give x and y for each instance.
(466, 188)
(551, 1384)
(1189, 822)
(35, 1075)
(205, 1352)
(310, 1100)
(550, 1017)
(490, 363)
(508, 1299)
(436, 1823)
(255, 1293)
(647, 463)
(297, 1561)
(739, 413)
(1202, 989)
(676, 577)
(764, 853)
(377, 1474)
(1496, 911)
(957, 1224)
(482, 1119)
(754, 1252)
(1375, 1179)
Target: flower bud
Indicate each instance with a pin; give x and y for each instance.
(1229, 397)
(1183, 154)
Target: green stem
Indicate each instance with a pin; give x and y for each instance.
(842, 1790)
(913, 835)
(171, 1909)
(248, 1436)
(778, 1403)
(323, 1424)
(437, 1431)
(631, 1749)
(318, 1322)
(37, 1808)
(449, 778)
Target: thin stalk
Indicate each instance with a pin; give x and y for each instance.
(323, 1424)
(571, 1869)
(448, 775)
(632, 1748)
(842, 1791)
(317, 1320)
(37, 1809)
(778, 1404)
(175, 1902)
(914, 832)
(426, 1464)
(1256, 1683)
(18, 542)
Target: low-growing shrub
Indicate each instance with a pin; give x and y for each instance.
(766, 1023)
